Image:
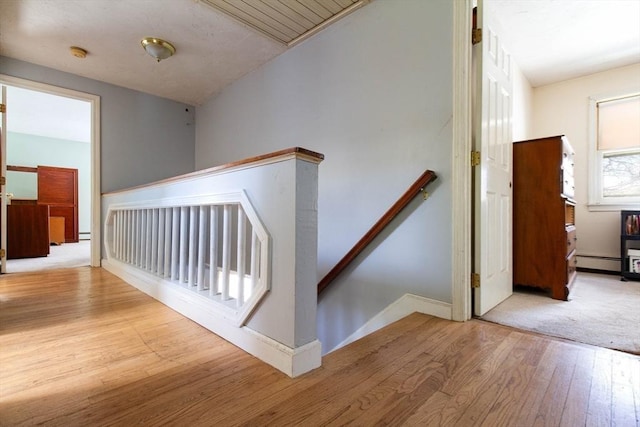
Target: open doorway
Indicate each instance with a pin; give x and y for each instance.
(57, 128)
(601, 308)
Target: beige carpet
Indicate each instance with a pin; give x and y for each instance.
(67, 255)
(602, 311)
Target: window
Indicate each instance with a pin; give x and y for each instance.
(615, 152)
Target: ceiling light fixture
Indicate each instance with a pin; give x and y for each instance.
(158, 48)
(78, 52)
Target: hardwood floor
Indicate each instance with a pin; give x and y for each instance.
(79, 347)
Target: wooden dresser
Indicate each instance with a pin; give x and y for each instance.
(544, 232)
(27, 230)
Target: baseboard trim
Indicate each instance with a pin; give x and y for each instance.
(402, 307)
(598, 271)
(291, 361)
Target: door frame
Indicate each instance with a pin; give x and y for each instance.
(461, 168)
(94, 100)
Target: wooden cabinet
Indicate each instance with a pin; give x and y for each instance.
(58, 188)
(27, 231)
(544, 232)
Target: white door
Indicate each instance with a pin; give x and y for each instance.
(492, 138)
(3, 187)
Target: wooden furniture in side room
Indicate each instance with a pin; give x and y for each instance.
(24, 202)
(544, 232)
(56, 230)
(27, 231)
(58, 188)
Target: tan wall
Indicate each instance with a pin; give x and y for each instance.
(563, 108)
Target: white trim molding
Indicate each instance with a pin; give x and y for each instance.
(461, 168)
(402, 307)
(94, 100)
(291, 361)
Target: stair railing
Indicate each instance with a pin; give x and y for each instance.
(415, 189)
(233, 248)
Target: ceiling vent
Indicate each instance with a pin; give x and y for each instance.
(288, 22)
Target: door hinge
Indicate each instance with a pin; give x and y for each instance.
(3, 108)
(475, 158)
(475, 280)
(3, 253)
(476, 35)
(3, 180)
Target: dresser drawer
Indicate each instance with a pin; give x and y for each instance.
(568, 185)
(571, 239)
(569, 213)
(567, 155)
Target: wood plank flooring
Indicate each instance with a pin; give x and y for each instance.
(79, 347)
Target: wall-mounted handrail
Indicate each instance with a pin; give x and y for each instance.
(397, 207)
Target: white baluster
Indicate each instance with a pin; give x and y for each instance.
(127, 248)
(202, 238)
(226, 252)
(134, 231)
(241, 255)
(213, 250)
(160, 248)
(192, 245)
(175, 246)
(154, 240)
(147, 239)
(134, 241)
(114, 236)
(132, 237)
(255, 260)
(167, 241)
(184, 218)
(143, 239)
(138, 242)
(121, 221)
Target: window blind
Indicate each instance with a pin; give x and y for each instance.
(619, 123)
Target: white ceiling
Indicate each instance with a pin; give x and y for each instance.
(556, 40)
(551, 40)
(212, 49)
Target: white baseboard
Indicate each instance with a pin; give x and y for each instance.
(402, 307)
(598, 263)
(291, 361)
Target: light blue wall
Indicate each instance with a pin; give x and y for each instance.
(373, 92)
(144, 138)
(32, 151)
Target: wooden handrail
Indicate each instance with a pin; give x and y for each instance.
(397, 207)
